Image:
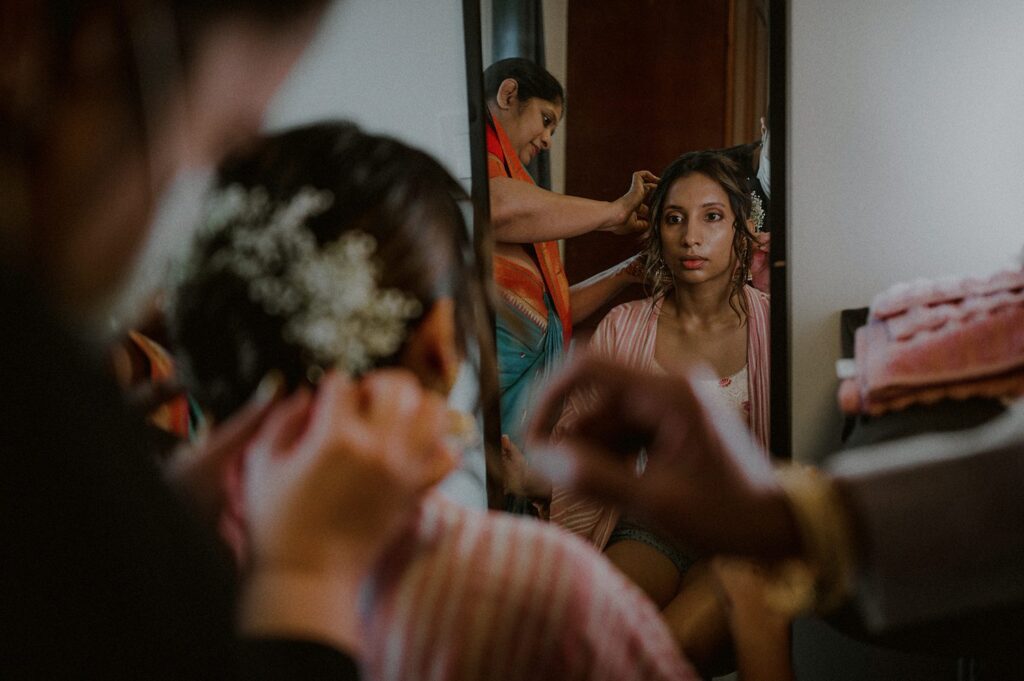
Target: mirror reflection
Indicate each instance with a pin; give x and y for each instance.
(592, 248)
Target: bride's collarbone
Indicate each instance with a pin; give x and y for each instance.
(722, 346)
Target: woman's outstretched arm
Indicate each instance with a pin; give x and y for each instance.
(589, 295)
(524, 213)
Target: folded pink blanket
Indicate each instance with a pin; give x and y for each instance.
(930, 340)
(922, 292)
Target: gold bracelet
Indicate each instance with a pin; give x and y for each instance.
(789, 588)
(822, 579)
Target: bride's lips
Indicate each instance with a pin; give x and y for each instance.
(693, 263)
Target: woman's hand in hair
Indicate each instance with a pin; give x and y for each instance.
(207, 474)
(333, 476)
(633, 204)
(330, 481)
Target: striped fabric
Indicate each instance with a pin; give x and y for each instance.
(470, 595)
(627, 334)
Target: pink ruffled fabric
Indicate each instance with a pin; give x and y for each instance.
(932, 340)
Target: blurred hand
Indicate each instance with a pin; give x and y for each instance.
(519, 478)
(760, 272)
(634, 203)
(331, 478)
(705, 481)
(207, 473)
(761, 635)
(741, 586)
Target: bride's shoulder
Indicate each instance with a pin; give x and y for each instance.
(632, 310)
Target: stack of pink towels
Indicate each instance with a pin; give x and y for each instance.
(931, 340)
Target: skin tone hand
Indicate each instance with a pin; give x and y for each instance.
(705, 482)
(634, 203)
(523, 213)
(520, 479)
(761, 636)
(202, 473)
(759, 266)
(587, 296)
(633, 269)
(330, 481)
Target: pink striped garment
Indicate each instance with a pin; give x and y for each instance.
(627, 334)
(470, 595)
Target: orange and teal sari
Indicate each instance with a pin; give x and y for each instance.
(533, 325)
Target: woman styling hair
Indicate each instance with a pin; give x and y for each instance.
(538, 308)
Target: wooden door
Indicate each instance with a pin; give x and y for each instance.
(646, 81)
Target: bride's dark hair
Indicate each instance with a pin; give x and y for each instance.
(400, 196)
(718, 166)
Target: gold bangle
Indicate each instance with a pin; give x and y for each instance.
(826, 535)
(789, 588)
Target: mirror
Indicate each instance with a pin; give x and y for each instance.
(646, 82)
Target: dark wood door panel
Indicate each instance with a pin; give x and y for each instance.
(646, 81)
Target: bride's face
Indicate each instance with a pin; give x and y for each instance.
(697, 229)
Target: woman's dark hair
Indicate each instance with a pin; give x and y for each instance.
(400, 196)
(743, 156)
(657, 279)
(533, 80)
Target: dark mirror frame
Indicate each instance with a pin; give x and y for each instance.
(781, 422)
(781, 437)
(483, 241)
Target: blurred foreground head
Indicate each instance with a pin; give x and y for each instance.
(103, 102)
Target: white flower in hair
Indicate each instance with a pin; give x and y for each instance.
(329, 296)
(756, 211)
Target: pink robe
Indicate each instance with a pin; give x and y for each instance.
(627, 334)
(468, 595)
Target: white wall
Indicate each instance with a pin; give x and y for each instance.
(906, 159)
(395, 67)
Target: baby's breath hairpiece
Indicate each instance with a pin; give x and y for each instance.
(757, 212)
(328, 296)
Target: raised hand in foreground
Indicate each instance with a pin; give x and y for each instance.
(705, 481)
(329, 481)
